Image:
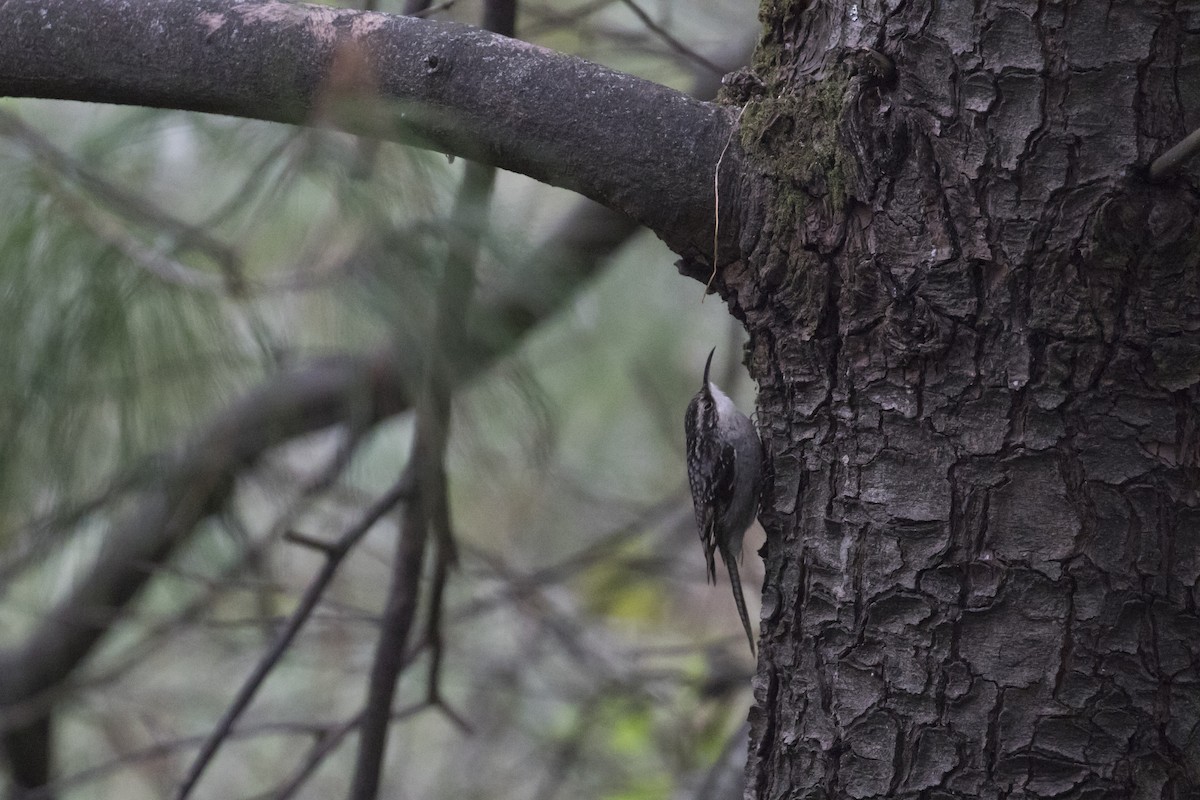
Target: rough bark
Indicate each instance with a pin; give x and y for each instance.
(635, 146)
(976, 331)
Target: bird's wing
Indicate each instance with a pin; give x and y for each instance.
(721, 481)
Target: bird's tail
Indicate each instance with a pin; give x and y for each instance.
(736, 582)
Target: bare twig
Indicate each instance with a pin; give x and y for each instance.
(187, 487)
(549, 18)
(312, 543)
(319, 752)
(166, 748)
(671, 41)
(308, 602)
(426, 8)
(327, 745)
(520, 586)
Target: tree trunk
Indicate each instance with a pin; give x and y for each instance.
(976, 330)
(975, 324)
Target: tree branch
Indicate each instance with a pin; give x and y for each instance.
(358, 389)
(389, 661)
(630, 144)
(334, 556)
(194, 483)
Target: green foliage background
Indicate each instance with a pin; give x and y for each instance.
(585, 654)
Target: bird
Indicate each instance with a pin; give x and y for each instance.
(725, 472)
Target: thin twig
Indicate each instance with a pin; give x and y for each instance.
(326, 745)
(601, 545)
(308, 602)
(165, 748)
(316, 756)
(671, 41)
(427, 9)
(304, 540)
(548, 19)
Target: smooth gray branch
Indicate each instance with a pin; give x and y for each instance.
(1169, 162)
